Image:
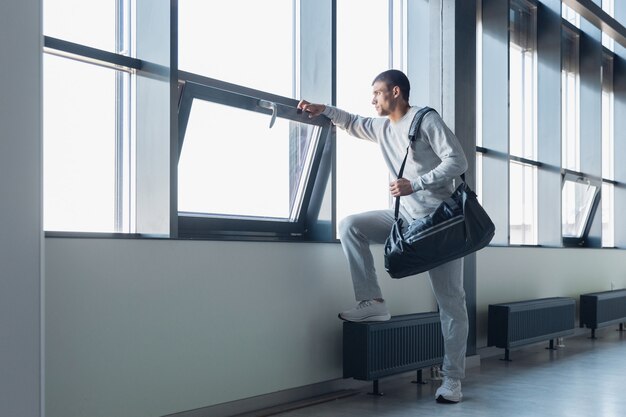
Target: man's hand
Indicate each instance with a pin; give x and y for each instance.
(400, 187)
(311, 108)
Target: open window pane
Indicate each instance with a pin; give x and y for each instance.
(523, 204)
(79, 146)
(250, 164)
(256, 171)
(245, 42)
(578, 199)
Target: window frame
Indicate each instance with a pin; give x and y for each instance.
(194, 225)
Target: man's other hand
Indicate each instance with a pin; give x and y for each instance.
(400, 187)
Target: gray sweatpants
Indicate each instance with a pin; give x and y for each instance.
(358, 231)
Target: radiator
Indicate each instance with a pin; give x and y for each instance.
(525, 322)
(373, 350)
(602, 309)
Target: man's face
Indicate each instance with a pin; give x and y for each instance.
(383, 98)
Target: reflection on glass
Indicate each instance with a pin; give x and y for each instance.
(227, 169)
(362, 53)
(577, 202)
(523, 206)
(79, 146)
(608, 210)
(245, 42)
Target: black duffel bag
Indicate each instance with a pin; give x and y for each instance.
(457, 227)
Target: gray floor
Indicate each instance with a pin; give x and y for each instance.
(584, 378)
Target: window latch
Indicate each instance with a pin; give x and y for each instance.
(270, 106)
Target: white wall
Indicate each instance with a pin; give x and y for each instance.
(21, 393)
(516, 274)
(152, 327)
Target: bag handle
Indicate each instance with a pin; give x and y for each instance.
(413, 131)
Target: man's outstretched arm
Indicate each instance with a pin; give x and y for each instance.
(361, 127)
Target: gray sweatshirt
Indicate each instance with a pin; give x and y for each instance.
(435, 159)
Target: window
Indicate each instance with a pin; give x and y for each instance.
(580, 199)
(523, 205)
(523, 81)
(522, 123)
(609, 7)
(256, 47)
(248, 163)
(570, 15)
(479, 101)
(92, 23)
(80, 162)
(88, 116)
(608, 152)
(362, 53)
(570, 106)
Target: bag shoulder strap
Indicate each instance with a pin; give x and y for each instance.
(413, 131)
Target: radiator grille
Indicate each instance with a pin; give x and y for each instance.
(404, 346)
(524, 322)
(534, 323)
(373, 350)
(602, 308)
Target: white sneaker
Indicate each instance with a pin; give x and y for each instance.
(367, 310)
(449, 391)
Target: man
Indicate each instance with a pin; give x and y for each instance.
(435, 160)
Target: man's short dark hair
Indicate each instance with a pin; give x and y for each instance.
(395, 78)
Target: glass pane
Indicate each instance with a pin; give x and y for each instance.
(570, 106)
(609, 7)
(523, 206)
(91, 23)
(570, 15)
(577, 202)
(608, 223)
(252, 34)
(256, 171)
(522, 102)
(362, 53)
(79, 146)
(607, 135)
(516, 100)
